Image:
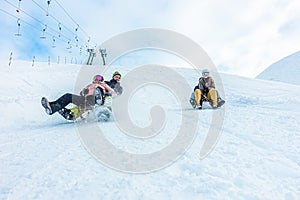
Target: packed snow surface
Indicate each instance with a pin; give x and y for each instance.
(257, 155)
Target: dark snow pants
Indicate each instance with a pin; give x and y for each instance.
(68, 98)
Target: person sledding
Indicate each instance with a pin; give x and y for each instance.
(206, 91)
(92, 94)
(114, 83)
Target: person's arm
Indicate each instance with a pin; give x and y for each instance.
(210, 83)
(109, 89)
(85, 90)
(118, 89)
(201, 84)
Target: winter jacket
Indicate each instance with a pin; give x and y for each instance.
(115, 85)
(205, 84)
(89, 89)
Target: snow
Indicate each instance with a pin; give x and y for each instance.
(42, 157)
(286, 70)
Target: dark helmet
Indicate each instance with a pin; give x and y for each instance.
(116, 73)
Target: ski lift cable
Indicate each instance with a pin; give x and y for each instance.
(50, 28)
(79, 45)
(70, 17)
(78, 27)
(25, 22)
(62, 25)
(33, 26)
(65, 27)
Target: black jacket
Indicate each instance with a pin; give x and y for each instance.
(115, 85)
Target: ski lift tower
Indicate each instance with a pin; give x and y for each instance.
(92, 54)
(103, 55)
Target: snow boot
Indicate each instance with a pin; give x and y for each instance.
(193, 102)
(67, 114)
(220, 102)
(45, 103)
(199, 107)
(50, 107)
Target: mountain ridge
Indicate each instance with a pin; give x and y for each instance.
(286, 70)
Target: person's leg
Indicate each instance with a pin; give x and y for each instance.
(212, 95)
(60, 105)
(65, 100)
(198, 96)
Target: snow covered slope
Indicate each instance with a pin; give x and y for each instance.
(286, 70)
(42, 157)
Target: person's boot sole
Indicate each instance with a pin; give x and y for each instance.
(45, 103)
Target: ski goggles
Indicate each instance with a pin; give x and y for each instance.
(98, 78)
(117, 77)
(205, 74)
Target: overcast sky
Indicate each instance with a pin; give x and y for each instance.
(241, 37)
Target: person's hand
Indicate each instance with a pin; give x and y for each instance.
(207, 85)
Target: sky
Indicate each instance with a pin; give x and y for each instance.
(241, 37)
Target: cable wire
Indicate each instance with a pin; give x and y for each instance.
(52, 16)
(73, 19)
(54, 30)
(33, 26)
